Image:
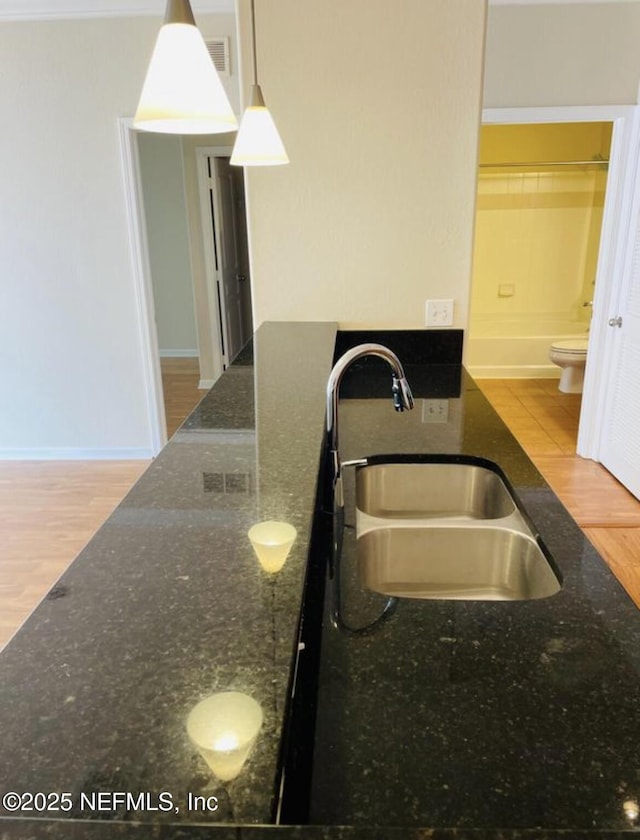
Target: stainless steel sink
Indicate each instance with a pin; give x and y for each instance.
(445, 529)
(471, 563)
(429, 490)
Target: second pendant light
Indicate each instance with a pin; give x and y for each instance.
(258, 142)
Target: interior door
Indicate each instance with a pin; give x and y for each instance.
(233, 263)
(620, 447)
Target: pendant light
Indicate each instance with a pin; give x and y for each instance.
(182, 92)
(258, 142)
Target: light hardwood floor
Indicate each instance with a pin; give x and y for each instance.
(50, 510)
(180, 379)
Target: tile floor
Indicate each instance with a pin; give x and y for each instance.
(545, 422)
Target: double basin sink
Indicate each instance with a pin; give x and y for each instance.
(446, 529)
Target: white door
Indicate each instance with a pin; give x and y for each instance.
(620, 446)
(233, 259)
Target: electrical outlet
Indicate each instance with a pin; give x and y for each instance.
(439, 313)
(435, 411)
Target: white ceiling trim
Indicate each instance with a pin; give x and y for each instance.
(65, 9)
(61, 9)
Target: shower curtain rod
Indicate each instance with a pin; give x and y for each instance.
(548, 163)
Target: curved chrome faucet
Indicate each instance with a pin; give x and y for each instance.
(402, 400)
(400, 391)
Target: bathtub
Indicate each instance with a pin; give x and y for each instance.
(517, 349)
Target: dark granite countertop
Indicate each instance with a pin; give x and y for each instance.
(478, 714)
(167, 604)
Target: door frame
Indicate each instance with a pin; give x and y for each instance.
(205, 281)
(143, 288)
(210, 212)
(615, 225)
(213, 218)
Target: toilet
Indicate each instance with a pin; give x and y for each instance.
(571, 356)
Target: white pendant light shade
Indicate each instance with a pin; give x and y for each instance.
(182, 92)
(258, 142)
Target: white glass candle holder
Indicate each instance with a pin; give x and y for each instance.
(224, 728)
(272, 542)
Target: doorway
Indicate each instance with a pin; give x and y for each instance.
(539, 212)
(209, 309)
(607, 429)
(226, 251)
(166, 226)
(199, 332)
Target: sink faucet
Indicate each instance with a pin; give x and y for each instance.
(400, 390)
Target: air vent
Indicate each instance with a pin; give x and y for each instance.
(227, 482)
(219, 52)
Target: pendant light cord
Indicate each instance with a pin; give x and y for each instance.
(253, 39)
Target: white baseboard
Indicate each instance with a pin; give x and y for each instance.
(179, 354)
(514, 371)
(205, 384)
(76, 454)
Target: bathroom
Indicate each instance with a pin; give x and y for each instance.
(540, 203)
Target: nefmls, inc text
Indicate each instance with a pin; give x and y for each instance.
(104, 801)
(163, 802)
(113, 800)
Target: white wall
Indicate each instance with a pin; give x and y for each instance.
(70, 356)
(374, 214)
(379, 110)
(557, 55)
(163, 187)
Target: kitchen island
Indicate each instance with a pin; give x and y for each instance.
(168, 604)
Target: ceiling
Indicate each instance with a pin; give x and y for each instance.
(52, 9)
